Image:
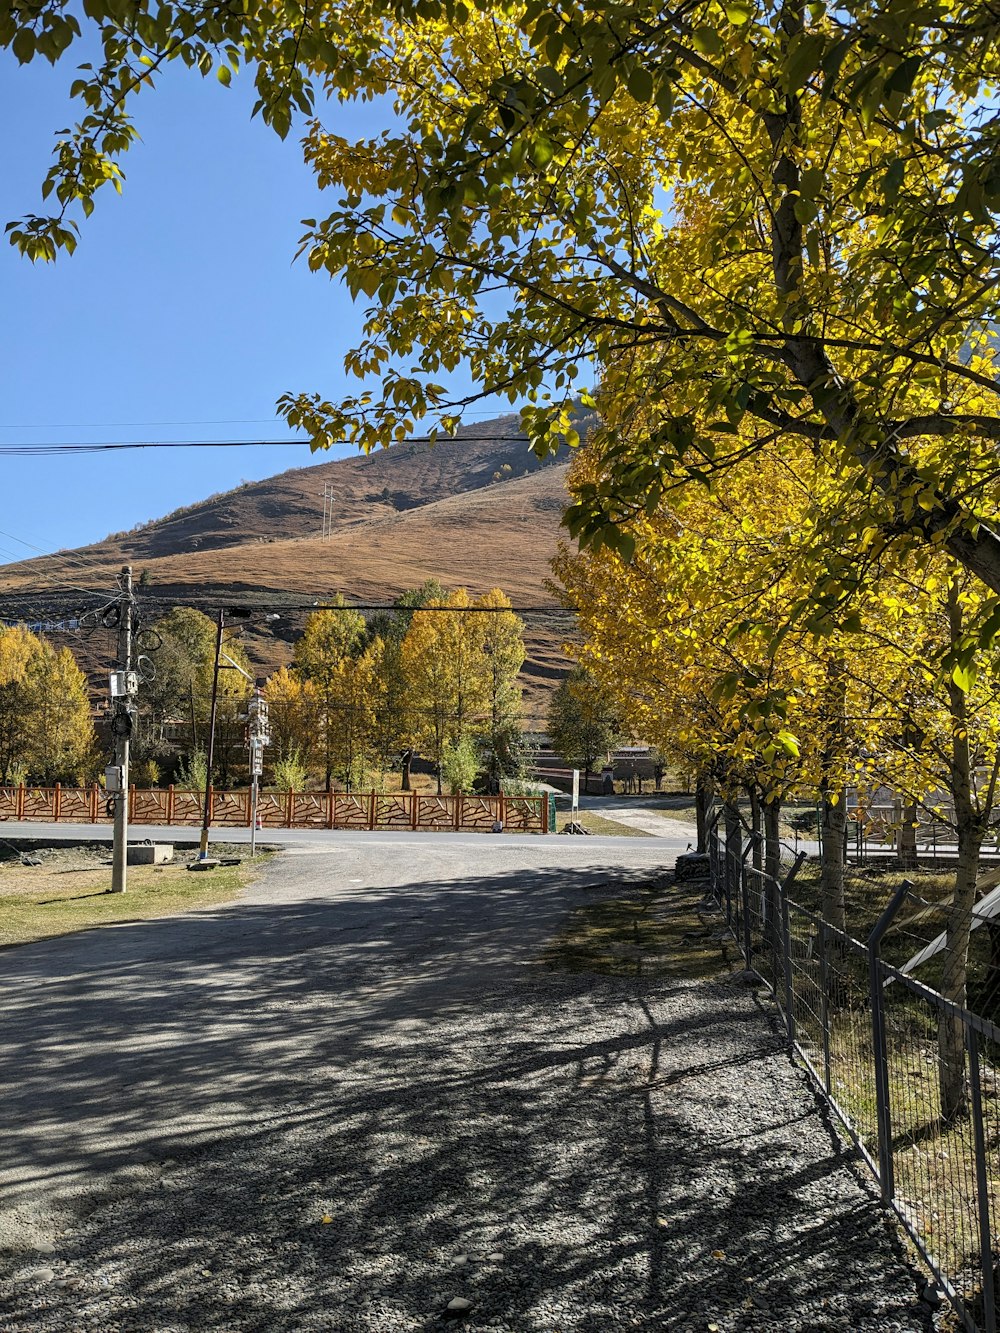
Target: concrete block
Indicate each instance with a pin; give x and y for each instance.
(149, 853)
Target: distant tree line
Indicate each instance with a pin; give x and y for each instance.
(359, 700)
(46, 729)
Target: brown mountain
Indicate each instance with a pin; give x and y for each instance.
(480, 512)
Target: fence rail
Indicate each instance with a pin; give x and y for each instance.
(869, 1037)
(292, 809)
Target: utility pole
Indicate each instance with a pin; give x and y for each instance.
(327, 510)
(123, 688)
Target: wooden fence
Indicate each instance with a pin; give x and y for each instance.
(291, 809)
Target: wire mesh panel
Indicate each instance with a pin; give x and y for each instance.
(881, 1046)
(945, 1161)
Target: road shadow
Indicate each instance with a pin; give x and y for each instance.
(306, 1114)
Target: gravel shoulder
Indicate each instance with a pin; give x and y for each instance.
(343, 1105)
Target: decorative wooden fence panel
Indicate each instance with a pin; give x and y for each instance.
(301, 809)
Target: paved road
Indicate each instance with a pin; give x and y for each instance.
(357, 1093)
(676, 838)
(173, 1030)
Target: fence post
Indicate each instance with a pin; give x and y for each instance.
(879, 1046)
(371, 812)
(57, 802)
(289, 808)
(824, 1003)
(745, 902)
(457, 798)
(414, 811)
(786, 948)
(94, 799)
(982, 1183)
(170, 804)
(20, 800)
(737, 914)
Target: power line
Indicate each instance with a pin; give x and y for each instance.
(36, 450)
(197, 421)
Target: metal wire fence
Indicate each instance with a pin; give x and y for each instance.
(874, 1041)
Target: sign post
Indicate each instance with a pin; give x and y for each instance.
(258, 735)
(576, 791)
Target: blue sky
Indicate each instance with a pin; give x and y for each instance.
(180, 316)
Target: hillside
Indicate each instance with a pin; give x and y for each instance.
(480, 511)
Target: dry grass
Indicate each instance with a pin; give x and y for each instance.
(659, 932)
(460, 528)
(70, 891)
(593, 823)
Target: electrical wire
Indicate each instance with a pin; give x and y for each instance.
(36, 450)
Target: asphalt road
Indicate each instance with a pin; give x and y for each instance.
(145, 1037)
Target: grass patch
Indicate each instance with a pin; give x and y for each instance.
(658, 932)
(598, 824)
(39, 902)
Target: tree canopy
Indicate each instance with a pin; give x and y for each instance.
(741, 220)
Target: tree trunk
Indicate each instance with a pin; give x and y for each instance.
(969, 827)
(833, 828)
(834, 833)
(906, 847)
(734, 849)
(954, 973)
(406, 761)
(703, 793)
(772, 867)
(756, 824)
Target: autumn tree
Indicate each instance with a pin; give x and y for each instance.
(18, 647)
(46, 727)
(61, 744)
(293, 717)
(396, 723)
(788, 210)
(584, 725)
(502, 736)
(325, 656)
(181, 682)
(444, 664)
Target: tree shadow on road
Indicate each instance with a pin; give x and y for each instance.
(342, 1100)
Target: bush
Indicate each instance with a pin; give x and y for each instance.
(193, 775)
(459, 764)
(290, 772)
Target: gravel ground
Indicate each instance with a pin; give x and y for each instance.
(563, 1152)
